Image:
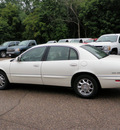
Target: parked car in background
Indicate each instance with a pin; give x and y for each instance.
(73, 40)
(83, 67)
(79, 40)
(109, 43)
(64, 40)
(76, 41)
(53, 41)
(90, 40)
(21, 47)
(5, 45)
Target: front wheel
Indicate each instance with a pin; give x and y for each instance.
(114, 52)
(3, 81)
(86, 86)
(2, 54)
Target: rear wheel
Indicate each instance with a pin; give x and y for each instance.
(3, 81)
(86, 86)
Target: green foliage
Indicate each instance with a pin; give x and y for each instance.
(4, 30)
(46, 23)
(9, 23)
(45, 20)
(34, 29)
(101, 17)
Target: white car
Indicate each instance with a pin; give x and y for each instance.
(53, 41)
(109, 43)
(79, 40)
(81, 66)
(64, 40)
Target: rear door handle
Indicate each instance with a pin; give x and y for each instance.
(73, 64)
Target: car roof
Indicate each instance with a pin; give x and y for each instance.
(62, 44)
(111, 34)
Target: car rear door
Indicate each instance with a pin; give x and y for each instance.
(60, 65)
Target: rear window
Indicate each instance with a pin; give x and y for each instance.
(95, 51)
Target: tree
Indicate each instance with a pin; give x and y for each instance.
(101, 17)
(73, 18)
(53, 12)
(45, 22)
(10, 18)
(4, 30)
(34, 28)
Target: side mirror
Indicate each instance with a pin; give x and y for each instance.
(19, 58)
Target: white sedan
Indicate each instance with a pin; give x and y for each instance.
(83, 67)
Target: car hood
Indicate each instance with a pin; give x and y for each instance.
(100, 43)
(5, 61)
(16, 47)
(2, 47)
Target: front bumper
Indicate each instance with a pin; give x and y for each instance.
(11, 54)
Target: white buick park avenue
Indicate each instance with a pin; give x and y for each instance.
(83, 67)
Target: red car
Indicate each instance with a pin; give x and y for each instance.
(90, 40)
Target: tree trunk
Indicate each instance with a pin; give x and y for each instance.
(78, 29)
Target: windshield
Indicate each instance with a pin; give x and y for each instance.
(5, 44)
(106, 38)
(95, 51)
(23, 43)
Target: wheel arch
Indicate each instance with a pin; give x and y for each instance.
(114, 50)
(83, 73)
(5, 74)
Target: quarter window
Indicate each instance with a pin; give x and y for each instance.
(34, 54)
(73, 55)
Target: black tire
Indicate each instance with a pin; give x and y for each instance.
(3, 81)
(2, 54)
(86, 86)
(13, 56)
(113, 52)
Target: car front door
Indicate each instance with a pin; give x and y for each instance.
(61, 63)
(28, 68)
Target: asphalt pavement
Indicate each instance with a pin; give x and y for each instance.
(34, 107)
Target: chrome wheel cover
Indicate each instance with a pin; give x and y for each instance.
(2, 81)
(85, 87)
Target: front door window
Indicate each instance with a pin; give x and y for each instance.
(34, 54)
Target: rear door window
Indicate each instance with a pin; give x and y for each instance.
(61, 53)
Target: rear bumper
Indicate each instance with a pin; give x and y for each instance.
(109, 81)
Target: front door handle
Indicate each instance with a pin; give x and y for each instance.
(36, 65)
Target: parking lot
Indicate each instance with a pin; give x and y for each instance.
(32, 107)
